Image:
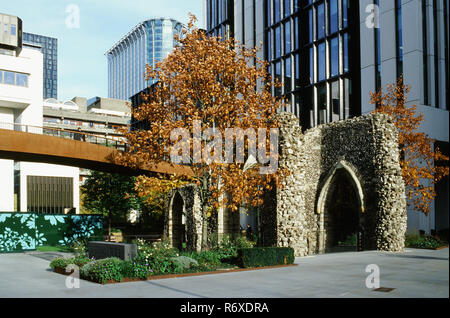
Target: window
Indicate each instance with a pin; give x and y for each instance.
(310, 26)
(297, 72)
(335, 106)
(334, 55)
(311, 65)
(287, 8)
(321, 62)
(320, 21)
(21, 80)
(287, 38)
(322, 103)
(9, 78)
(334, 23)
(344, 13)
(277, 13)
(345, 52)
(13, 30)
(278, 78)
(277, 42)
(287, 74)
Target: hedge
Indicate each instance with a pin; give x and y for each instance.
(265, 256)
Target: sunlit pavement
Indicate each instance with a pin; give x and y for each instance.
(413, 274)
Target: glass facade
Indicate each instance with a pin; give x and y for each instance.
(310, 49)
(149, 42)
(50, 51)
(311, 39)
(219, 17)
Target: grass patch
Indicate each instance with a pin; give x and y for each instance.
(63, 249)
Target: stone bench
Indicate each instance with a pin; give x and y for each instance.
(100, 250)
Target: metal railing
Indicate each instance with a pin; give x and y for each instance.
(72, 134)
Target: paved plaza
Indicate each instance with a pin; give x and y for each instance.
(414, 274)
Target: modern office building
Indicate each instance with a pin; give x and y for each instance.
(330, 54)
(28, 186)
(49, 47)
(146, 44)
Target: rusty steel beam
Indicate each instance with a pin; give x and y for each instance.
(21, 146)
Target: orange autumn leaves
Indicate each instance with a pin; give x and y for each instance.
(417, 156)
(214, 81)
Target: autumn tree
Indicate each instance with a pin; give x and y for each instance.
(417, 156)
(208, 89)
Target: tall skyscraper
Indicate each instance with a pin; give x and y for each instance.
(330, 54)
(49, 47)
(147, 43)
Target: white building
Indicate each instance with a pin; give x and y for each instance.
(21, 107)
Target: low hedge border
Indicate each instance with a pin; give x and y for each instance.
(157, 277)
(265, 256)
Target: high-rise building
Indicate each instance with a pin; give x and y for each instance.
(330, 54)
(146, 44)
(49, 47)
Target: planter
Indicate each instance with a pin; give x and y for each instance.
(156, 277)
(62, 271)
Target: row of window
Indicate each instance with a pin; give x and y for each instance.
(10, 29)
(13, 78)
(52, 120)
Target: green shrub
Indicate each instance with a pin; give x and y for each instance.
(185, 262)
(265, 256)
(61, 262)
(228, 248)
(159, 256)
(351, 240)
(136, 269)
(207, 259)
(80, 261)
(103, 270)
(417, 241)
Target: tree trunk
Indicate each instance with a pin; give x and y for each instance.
(109, 228)
(204, 228)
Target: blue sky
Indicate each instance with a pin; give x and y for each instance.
(82, 65)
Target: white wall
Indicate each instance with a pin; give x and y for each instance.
(24, 105)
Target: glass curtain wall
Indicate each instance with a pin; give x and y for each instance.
(309, 52)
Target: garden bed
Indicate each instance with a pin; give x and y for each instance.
(62, 271)
(160, 261)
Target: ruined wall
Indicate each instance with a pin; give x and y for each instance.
(193, 215)
(366, 147)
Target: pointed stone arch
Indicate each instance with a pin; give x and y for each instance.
(353, 218)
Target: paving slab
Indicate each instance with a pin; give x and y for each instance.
(415, 273)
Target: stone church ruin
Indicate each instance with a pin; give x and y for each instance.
(345, 179)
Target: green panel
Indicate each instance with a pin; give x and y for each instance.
(62, 230)
(17, 232)
(25, 231)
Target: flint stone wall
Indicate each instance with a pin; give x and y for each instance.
(367, 148)
(192, 210)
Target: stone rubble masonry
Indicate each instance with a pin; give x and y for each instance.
(295, 215)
